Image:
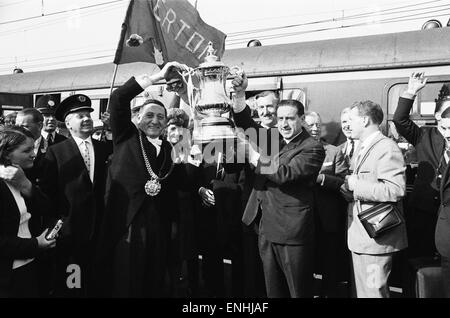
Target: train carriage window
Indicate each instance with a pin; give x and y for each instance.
(424, 105)
(295, 93)
(422, 113)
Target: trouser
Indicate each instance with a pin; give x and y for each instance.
(370, 275)
(445, 264)
(288, 269)
(253, 269)
(23, 282)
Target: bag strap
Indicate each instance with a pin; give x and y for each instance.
(358, 202)
(366, 155)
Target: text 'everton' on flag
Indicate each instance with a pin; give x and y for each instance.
(160, 31)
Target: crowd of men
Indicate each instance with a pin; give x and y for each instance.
(138, 214)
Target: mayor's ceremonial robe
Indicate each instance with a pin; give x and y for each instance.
(134, 238)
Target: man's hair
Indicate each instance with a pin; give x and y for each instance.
(177, 117)
(35, 114)
(446, 113)
(268, 93)
(313, 114)
(11, 139)
(153, 101)
(293, 103)
(371, 110)
(443, 96)
(347, 110)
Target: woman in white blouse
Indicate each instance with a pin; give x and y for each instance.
(19, 199)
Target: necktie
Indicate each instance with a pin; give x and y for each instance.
(220, 169)
(358, 158)
(447, 155)
(352, 148)
(50, 139)
(86, 156)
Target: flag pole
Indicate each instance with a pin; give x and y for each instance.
(116, 66)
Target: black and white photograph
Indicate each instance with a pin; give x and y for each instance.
(222, 155)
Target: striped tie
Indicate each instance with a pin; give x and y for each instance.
(86, 156)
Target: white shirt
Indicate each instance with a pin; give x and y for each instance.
(37, 142)
(157, 143)
(238, 103)
(45, 134)
(90, 146)
(348, 148)
(288, 141)
(24, 230)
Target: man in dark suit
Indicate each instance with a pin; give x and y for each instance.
(330, 217)
(442, 234)
(429, 142)
(431, 188)
(283, 192)
(132, 255)
(266, 104)
(220, 222)
(46, 104)
(74, 179)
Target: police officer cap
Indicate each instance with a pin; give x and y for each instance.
(46, 104)
(71, 104)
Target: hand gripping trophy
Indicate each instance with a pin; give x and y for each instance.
(209, 101)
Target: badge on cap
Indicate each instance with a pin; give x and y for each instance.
(51, 103)
(81, 98)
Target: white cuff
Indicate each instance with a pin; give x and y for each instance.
(238, 103)
(323, 180)
(144, 81)
(254, 157)
(352, 182)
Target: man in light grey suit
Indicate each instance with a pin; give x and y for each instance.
(379, 176)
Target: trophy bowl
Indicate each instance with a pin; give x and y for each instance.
(211, 101)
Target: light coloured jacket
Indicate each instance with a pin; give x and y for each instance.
(380, 178)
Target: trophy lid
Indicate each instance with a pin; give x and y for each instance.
(211, 60)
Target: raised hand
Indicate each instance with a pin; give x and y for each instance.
(416, 82)
(173, 70)
(239, 82)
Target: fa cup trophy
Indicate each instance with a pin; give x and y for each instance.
(210, 101)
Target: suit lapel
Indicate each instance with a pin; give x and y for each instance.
(98, 153)
(366, 151)
(294, 142)
(73, 148)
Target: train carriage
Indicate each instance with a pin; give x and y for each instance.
(329, 75)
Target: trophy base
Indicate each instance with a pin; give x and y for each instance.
(213, 128)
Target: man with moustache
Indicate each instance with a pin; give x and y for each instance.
(330, 217)
(74, 179)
